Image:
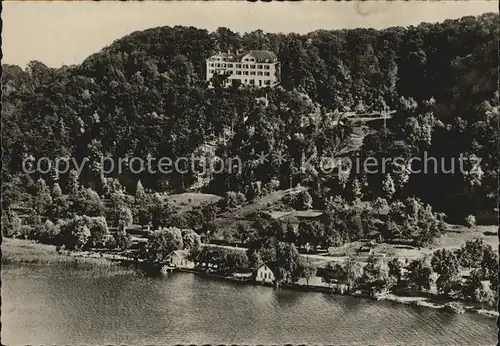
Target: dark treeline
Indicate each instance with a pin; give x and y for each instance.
(145, 96)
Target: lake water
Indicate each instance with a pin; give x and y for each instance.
(49, 305)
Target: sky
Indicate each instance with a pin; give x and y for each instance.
(65, 33)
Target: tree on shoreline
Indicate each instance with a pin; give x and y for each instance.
(395, 271)
(306, 269)
(419, 274)
(447, 266)
(191, 240)
(161, 243)
(283, 257)
(376, 273)
(353, 273)
(483, 294)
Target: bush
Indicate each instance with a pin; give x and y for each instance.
(25, 232)
(412, 220)
(483, 294)
(123, 240)
(98, 230)
(87, 202)
(470, 221)
(272, 185)
(75, 233)
(191, 240)
(111, 242)
(303, 201)
(254, 190)
(11, 224)
(144, 216)
(228, 235)
(82, 235)
(59, 208)
(46, 232)
(379, 204)
(289, 199)
(125, 218)
(406, 105)
(232, 200)
(360, 108)
(299, 201)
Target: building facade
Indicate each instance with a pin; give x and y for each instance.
(259, 68)
(178, 259)
(264, 274)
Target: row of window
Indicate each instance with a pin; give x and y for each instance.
(258, 82)
(224, 59)
(245, 73)
(221, 59)
(259, 67)
(265, 275)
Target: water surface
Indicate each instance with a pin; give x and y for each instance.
(50, 305)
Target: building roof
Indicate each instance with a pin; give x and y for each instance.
(242, 274)
(180, 253)
(373, 233)
(259, 55)
(231, 56)
(263, 55)
(226, 56)
(266, 265)
(306, 214)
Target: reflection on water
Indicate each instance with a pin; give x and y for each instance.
(49, 305)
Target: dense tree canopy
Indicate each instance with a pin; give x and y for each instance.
(145, 96)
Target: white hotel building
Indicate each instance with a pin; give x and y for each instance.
(259, 68)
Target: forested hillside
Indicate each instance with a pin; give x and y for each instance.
(145, 95)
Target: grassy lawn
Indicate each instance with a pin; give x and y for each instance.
(189, 200)
(363, 125)
(458, 235)
(453, 239)
(230, 219)
(19, 251)
(357, 137)
(25, 251)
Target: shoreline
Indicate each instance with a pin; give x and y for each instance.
(24, 252)
(29, 253)
(418, 301)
